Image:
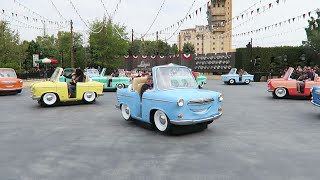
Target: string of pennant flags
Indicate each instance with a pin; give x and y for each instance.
(275, 25)
(41, 18)
(116, 9)
(262, 29)
(28, 18)
(270, 5)
(245, 14)
(28, 26)
(271, 36)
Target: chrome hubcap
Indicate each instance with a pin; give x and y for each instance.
(162, 120)
(49, 98)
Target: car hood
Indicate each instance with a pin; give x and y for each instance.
(275, 79)
(93, 75)
(45, 84)
(186, 94)
(10, 79)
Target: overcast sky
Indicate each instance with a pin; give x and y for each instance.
(139, 15)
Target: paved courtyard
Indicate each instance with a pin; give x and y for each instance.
(257, 137)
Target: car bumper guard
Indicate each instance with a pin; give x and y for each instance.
(195, 121)
(35, 97)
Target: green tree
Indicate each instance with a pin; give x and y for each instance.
(188, 48)
(174, 49)
(108, 45)
(48, 46)
(12, 52)
(312, 45)
(64, 53)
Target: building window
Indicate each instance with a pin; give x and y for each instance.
(197, 44)
(197, 38)
(184, 39)
(213, 48)
(218, 5)
(197, 49)
(221, 49)
(221, 42)
(213, 43)
(214, 5)
(222, 5)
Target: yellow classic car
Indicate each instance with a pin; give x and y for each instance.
(51, 92)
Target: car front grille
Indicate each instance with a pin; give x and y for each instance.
(201, 101)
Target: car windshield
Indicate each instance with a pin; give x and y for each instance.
(55, 74)
(67, 72)
(288, 73)
(93, 72)
(5, 73)
(175, 77)
(233, 71)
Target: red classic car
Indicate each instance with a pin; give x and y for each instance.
(286, 86)
(9, 81)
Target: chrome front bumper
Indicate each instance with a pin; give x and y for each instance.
(100, 94)
(196, 121)
(11, 89)
(315, 104)
(269, 90)
(35, 97)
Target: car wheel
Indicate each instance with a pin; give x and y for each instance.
(89, 97)
(126, 112)
(120, 86)
(201, 85)
(48, 99)
(280, 92)
(247, 81)
(161, 121)
(231, 81)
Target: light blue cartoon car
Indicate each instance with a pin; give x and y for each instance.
(315, 93)
(233, 78)
(174, 100)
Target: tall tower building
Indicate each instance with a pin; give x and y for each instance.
(216, 37)
(219, 17)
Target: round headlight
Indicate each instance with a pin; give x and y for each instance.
(180, 102)
(220, 98)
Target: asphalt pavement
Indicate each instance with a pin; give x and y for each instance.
(257, 137)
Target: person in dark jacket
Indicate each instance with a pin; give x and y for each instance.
(147, 85)
(77, 76)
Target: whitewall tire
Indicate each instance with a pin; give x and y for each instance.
(201, 85)
(89, 97)
(126, 112)
(280, 92)
(231, 81)
(247, 81)
(161, 121)
(120, 86)
(49, 99)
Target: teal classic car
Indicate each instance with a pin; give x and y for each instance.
(66, 75)
(110, 83)
(201, 80)
(175, 100)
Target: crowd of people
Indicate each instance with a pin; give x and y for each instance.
(307, 73)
